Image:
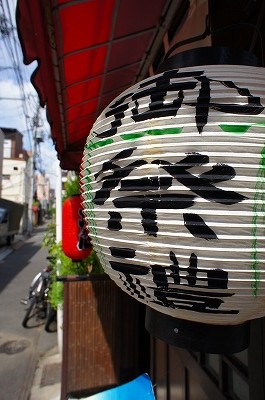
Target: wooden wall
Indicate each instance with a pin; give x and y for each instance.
(104, 341)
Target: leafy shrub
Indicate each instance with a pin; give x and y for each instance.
(61, 264)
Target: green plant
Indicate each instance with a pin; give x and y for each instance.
(65, 266)
(71, 186)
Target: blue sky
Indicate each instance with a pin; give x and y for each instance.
(18, 98)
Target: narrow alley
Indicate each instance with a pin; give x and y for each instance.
(20, 348)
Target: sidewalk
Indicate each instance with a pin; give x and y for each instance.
(31, 363)
(47, 380)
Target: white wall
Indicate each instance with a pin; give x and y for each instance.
(14, 177)
(1, 158)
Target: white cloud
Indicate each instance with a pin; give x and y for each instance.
(19, 103)
(12, 109)
(13, 114)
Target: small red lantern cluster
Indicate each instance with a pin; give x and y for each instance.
(76, 243)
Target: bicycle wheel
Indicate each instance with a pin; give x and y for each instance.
(30, 313)
(51, 321)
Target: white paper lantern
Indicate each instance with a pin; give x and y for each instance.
(173, 192)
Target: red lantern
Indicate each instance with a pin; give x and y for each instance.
(75, 239)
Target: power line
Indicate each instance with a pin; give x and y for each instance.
(9, 38)
(12, 66)
(11, 98)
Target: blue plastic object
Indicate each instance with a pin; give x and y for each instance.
(140, 389)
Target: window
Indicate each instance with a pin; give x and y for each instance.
(7, 148)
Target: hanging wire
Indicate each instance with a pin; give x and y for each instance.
(12, 50)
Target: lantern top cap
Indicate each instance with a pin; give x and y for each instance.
(210, 56)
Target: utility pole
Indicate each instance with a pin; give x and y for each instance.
(32, 170)
(30, 199)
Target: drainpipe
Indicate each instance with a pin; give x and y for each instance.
(58, 202)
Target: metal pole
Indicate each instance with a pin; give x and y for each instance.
(58, 198)
(32, 173)
(58, 203)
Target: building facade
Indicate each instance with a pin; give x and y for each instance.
(1, 158)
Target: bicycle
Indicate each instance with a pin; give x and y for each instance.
(39, 307)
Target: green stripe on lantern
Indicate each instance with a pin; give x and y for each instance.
(100, 143)
(234, 128)
(153, 132)
(259, 192)
(238, 129)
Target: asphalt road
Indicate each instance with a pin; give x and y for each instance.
(20, 348)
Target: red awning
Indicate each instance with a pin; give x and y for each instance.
(88, 52)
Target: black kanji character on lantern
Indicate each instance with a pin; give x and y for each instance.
(84, 242)
(114, 222)
(203, 301)
(215, 278)
(175, 287)
(165, 85)
(202, 186)
(118, 173)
